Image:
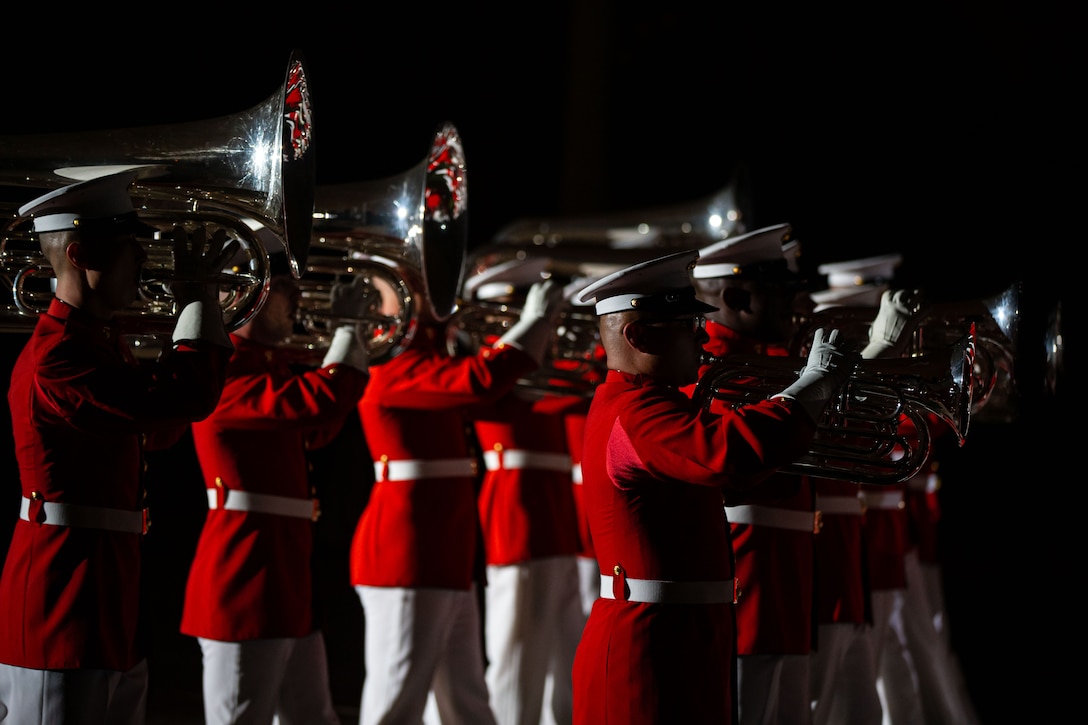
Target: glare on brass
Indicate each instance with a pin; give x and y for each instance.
(251, 170)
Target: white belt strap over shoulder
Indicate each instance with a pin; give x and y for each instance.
(885, 500)
(847, 505)
(774, 518)
(263, 503)
(514, 458)
(655, 591)
(411, 470)
(51, 513)
(576, 472)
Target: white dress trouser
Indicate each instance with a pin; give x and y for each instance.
(940, 682)
(262, 681)
(589, 583)
(895, 682)
(416, 640)
(844, 676)
(532, 624)
(774, 689)
(73, 697)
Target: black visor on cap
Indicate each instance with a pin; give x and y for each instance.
(671, 303)
(116, 226)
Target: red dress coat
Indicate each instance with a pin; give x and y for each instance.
(526, 511)
(842, 592)
(82, 413)
(575, 423)
(886, 535)
(421, 533)
(654, 467)
(250, 577)
(775, 566)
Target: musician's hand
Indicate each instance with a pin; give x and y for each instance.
(830, 363)
(899, 311)
(198, 262)
(353, 301)
(535, 328)
(544, 299)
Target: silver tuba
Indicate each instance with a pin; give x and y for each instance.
(687, 225)
(996, 322)
(575, 250)
(876, 430)
(406, 234)
(245, 172)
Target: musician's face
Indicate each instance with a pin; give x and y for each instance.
(277, 316)
(113, 268)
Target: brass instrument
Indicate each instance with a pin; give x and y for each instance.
(406, 234)
(875, 430)
(574, 361)
(688, 225)
(250, 171)
(996, 321)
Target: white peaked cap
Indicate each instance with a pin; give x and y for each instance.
(103, 203)
(758, 253)
(659, 287)
(855, 272)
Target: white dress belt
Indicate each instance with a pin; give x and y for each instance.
(774, 517)
(410, 470)
(87, 517)
(666, 592)
(851, 505)
(576, 472)
(887, 500)
(511, 459)
(928, 482)
(264, 503)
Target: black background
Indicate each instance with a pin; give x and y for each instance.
(948, 132)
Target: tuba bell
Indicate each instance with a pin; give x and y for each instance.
(406, 234)
(875, 430)
(249, 171)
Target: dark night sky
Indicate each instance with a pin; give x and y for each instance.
(949, 132)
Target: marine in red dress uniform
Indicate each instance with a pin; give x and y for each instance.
(249, 595)
(414, 548)
(83, 412)
(772, 527)
(659, 643)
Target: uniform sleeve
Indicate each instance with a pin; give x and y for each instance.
(670, 438)
(459, 382)
(76, 385)
(312, 399)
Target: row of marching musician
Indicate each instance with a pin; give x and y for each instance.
(835, 584)
(651, 501)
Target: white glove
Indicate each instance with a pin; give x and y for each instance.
(352, 301)
(830, 363)
(197, 266)
(898, 309)
(347, 348)
(534, 329)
